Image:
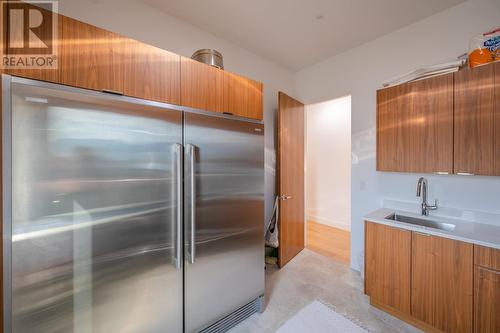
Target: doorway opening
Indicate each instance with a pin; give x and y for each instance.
(328, 178)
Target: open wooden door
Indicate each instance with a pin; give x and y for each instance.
(290, 176)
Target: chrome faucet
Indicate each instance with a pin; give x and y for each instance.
(422, 191)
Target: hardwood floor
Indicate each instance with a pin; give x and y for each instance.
(329, 241)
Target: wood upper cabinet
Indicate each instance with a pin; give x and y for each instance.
(392, 103)
(486, 300)
(90, 57)
(201, 86)
(49, 75)
(415, 126)
(151, 73)
(474, 121)
(387, 265)
(441, 280)
(93, 58)
(242, 96)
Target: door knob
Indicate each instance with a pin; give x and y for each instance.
(285, 197)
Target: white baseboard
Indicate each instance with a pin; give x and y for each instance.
(330, 222)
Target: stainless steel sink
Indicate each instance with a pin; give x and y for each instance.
(421, 222)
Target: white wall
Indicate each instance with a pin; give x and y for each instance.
(357, 72)
(328, 163)
(360, 71)
(139, 21)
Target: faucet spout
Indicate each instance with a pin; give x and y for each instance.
(422, 192)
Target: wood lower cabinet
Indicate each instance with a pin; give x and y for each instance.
(486, 300)
(487, 257)
(387, 265)
(441, 280)
(415, 120)
(428, 281)
(151, 73)
(242, 96)
(201, 86)
(474, 121)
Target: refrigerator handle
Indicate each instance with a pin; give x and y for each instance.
(192, 203)
(178, 205)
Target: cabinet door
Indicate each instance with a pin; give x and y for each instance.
(392, 104)
(487, 257)
(431, 126)
(415, 126)
(110, 64)
(474, 115)
(242, 96)
(78, 59)
(201, 86)
(151, 73)
(486, 300)
(387, 265)
(90, 57)
(441, 293)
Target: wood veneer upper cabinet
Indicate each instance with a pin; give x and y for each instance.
(387, 265)
(201, 86)
(110, 54)
(442, 276)
(151, 73)
(415, 126)
(392, 104)
(474, 121)
(43, 74)
(90, 57)
(77, 58)
(486, 300)
(242, 96)
(431, 125)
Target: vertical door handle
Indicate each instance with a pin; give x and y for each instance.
(192, 202)
(178, 205)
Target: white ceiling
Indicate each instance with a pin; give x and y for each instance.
(299, 33)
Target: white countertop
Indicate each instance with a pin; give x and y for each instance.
(466, 231)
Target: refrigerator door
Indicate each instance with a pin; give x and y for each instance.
(224, 217)
(95, 215)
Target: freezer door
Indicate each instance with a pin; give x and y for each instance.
(224, 217)
(95, 214)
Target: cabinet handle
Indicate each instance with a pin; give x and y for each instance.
(192, 206)
(228, 113)
(113, 92)
(442, 173)
(465, 174)
(178, 211)
(422, 233)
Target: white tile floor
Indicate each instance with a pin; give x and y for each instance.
(311, 276)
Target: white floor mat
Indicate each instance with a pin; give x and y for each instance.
(319, 318)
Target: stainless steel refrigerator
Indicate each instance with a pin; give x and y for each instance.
(125, 215)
